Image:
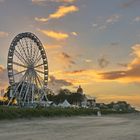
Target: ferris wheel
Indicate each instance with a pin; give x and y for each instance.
(27, 67)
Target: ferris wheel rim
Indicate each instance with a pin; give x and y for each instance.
(12, 51)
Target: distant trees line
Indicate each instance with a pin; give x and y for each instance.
(63, 94)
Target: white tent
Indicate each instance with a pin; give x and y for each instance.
(65, 104)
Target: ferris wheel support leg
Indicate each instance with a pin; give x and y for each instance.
(28, 87)
(32, 94)
(16, 89)
(13, 95)
(44, 93)
(23, 83)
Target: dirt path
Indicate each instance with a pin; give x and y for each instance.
(73, 128)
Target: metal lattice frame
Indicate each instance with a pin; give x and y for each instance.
(27, 68)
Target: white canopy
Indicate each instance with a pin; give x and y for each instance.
(65, 104)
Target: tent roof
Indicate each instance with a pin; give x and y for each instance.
(65, 104)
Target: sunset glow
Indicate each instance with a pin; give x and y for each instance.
(92, 43)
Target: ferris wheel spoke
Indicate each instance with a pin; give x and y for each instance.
(19, 72)
(20, 57)
(42, 72)
(42, 87)
(18, 64)
(40, 77)
(38, 59)
(39, 65)
(23, 83)
(21, 52)
(31, 50)
(40, 82)
(25, 54)
(36, 53)
(27, 47)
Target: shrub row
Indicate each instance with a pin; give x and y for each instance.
(14, 112)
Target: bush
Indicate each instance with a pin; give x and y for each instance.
(15, 112)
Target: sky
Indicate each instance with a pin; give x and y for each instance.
(92, 43)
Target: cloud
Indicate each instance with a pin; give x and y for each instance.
(129, 3)
(103, 62)
(2, 0)
(132, 72)
(62, 11)
(123, 65)
(52, 46)
(74, 33)
(94, 25)
(62, 60)
(88, 60)
(39, 2)
(3, 34)
(56, 84)
(44, 2)
(76, 71)
(65, 1)
(103, 23)
(3, 77)
(59, 13)
(112, 19)
(82, 76)
(128, 73)
(137, 19)
(55, 35)
(114, 44)
(41, 19)
(66, 59)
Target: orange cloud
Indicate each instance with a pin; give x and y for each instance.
(3, 34)
(78, 77)
(74, 33)
(64, 10)
(60, 12)
(131, 74)
(41, 19)
(52, 46)
(3, 77)
(54, 34)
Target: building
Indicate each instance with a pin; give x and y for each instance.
(80, 90)
(87, 101)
